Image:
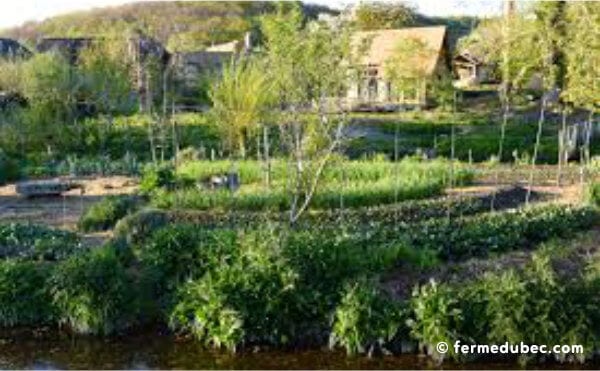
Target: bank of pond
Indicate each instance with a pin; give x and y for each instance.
(239, 287)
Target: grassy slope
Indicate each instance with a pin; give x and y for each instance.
(182, 26)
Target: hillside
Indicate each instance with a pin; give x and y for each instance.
(182, 26)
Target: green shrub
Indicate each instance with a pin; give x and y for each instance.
(181, 252)
(593, 194)
(273, 288)
(248, 300)
(93, 293)
(106, 213)
(9, 168)
(157, 176)
(532, 306)
(36, 242)
(24, 298)
(135, 227)
(434, 314)
(365, 319)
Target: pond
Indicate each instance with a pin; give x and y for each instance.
(49, 349)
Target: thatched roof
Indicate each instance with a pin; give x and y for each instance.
(384, 43)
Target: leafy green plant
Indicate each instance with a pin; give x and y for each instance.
(24, 298)
(157, 176)
(593, 194)
(181, 252)
(365, 319)
(246, 300)
(494, 233)
(530, 306)
(106, 213)
(94, 294)
(434, 316)
(36, 242)
(9, 169)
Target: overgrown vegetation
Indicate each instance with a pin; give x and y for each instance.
(106, 213)
(344, 184)
(36, 242)
(534, 306)
(94, 294)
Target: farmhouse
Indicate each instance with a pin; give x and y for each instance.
(374, 89)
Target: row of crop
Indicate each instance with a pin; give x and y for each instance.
(328, 196)
(36, 242)
(338, 170)
(360, 218)
(274, 286)
(532, 306)
(485, 234)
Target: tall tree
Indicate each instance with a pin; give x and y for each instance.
(309, 66)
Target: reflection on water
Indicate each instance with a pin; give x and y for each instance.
(52, 350)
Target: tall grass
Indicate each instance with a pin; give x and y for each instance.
(347, 184)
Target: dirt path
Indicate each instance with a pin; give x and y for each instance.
(63, 212)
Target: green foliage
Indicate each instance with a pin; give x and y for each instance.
(182, 252)
(433, 314)
(593, 194)
(106, 213)
(384, 15)
(24, 299)
(419, 258)
(9, 169)
(227, 306)
(36, 242)
(495, 233)
(532, 306)
(302, 274)
(105, 77)
(181, 27)
(365, 319)
(581, 50)
(138, 226)
(241, 100)
(94, 294)
(347, 184)
(157, 176)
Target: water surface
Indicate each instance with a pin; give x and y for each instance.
(50, 349)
